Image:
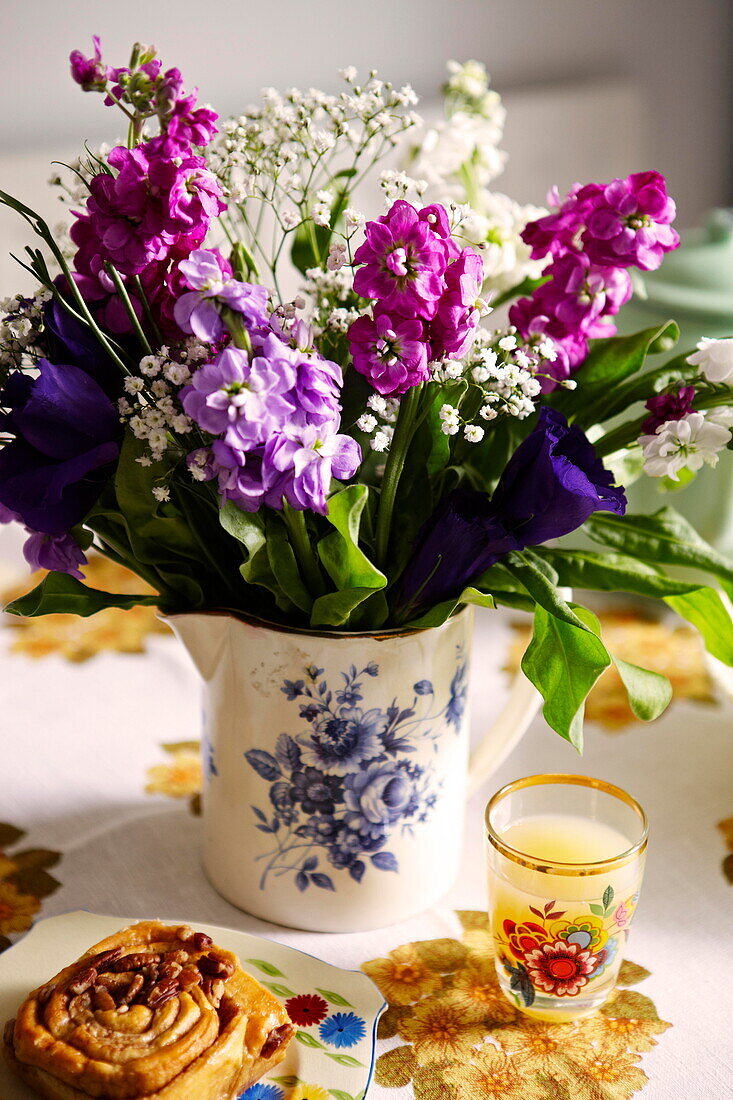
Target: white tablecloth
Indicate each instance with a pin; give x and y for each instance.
(78, 740)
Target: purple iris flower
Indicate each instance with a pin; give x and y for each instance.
(66, 434)
(629, 224)
(213, 285)
(57, 553)
(462, 539)
(404, 259)
(90, 72)
(390, 351)
(668, 406)
(552, 483)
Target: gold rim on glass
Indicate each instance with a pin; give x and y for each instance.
(547, 866)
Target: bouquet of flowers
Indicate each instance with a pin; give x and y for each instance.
(236, 384)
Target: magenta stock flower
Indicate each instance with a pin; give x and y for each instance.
(451, 330)
(629, 223)
(212, 284)
(89, 72)
(404, 258)
(580, 292)
(149, 209)
(668, 406)
(558, 232)
(390, 352)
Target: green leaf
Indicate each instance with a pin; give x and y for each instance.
(60, 593)
(564, 661)
(334, 998)
(698, 604)
(598, 910)
(289, 1081)
(266, 967)
(246, 527)
(308, 1040)
(279, 990)
(649, 693)
(345, 562)
(344, 1060)
(284, 565)
(539, 579)
(339, 1094)
(441, 612)
(608, 364)
(705, 610)
(607, 896)
(665, 537)
(521, 290)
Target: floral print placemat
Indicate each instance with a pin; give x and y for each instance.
(25, 880)
(453, 1035)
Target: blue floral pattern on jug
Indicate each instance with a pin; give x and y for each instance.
(340, 789)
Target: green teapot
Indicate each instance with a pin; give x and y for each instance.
(695, 287)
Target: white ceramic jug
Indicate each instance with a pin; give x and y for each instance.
(336, 766)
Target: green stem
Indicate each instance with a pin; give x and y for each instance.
(404, 431)
(301, 543)
(235, 324)
(129, 309)
(148, 311)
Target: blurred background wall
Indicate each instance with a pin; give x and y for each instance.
(636, 83)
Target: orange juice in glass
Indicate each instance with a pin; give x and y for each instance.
(565, 862)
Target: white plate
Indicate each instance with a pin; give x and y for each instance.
(336, 1055)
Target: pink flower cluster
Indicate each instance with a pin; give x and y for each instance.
(596, 233)
(425, 290)
(155, 203)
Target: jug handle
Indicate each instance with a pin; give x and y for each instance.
(505, 733)
(509, 727)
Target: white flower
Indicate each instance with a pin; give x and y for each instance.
(377, 404)
(488, 413)
(353, 219)
(720, 414)
(508, 343)
(161, 493)
(380, 441)
(481, 374)
(150, 365)
(449, 420)
(336, 256)
(348, 74)
(685, 443)
(145, 460)
(366, 423)
(714, 358)
(474, 433)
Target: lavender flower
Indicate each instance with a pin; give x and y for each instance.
(306, 459)
(239, 397)
(213, 285)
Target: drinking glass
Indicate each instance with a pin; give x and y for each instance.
(565, 863)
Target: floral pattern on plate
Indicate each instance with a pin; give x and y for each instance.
(335, 1010)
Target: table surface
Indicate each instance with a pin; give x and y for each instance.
(79, 740)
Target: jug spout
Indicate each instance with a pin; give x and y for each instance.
(204, 634)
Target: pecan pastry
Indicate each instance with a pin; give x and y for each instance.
(154, 1012)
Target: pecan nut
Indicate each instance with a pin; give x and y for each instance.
(162, 992)
(201, 941)
(134, 962)
(189, 978)
(214, 966)
(102, 961)
(214, 990)
(84, 980)
(103, 999)
(132, 990)
(277, 1038)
